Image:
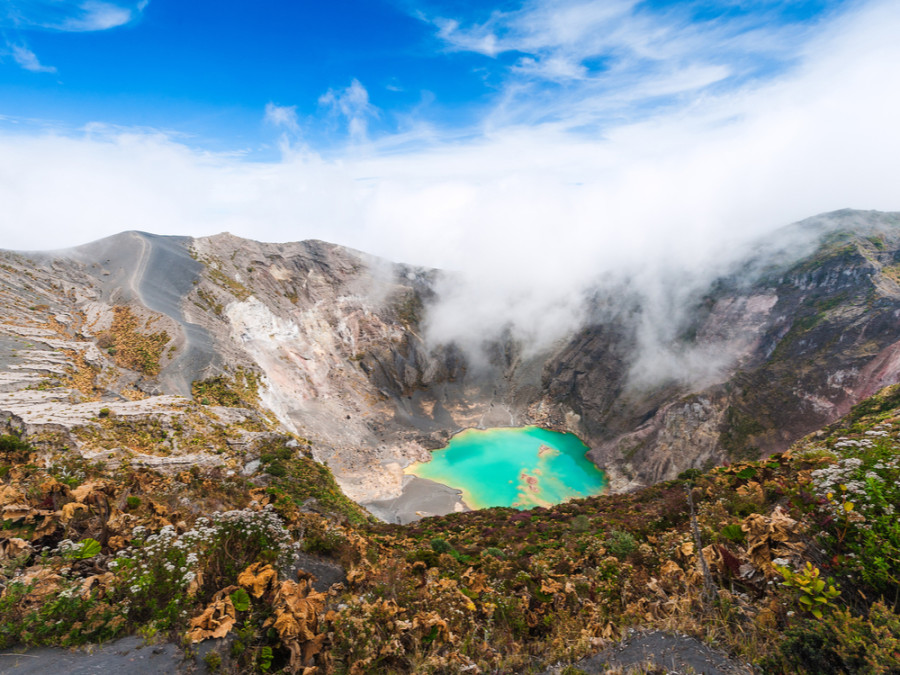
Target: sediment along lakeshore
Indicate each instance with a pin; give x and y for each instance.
(520, 467)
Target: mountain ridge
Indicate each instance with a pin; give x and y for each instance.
(336, 334)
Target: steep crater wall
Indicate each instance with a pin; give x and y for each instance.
(329, 341)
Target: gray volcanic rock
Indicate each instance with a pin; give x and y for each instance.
(328, 335)
(333, 333)
(158, 273)
(799, 343)
(330, 341)
(651, 650)
(129, 654)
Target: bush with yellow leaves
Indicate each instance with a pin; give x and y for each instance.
(815, 594)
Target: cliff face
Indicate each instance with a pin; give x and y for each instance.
(333, 333)
(799, 343)
(324, 342)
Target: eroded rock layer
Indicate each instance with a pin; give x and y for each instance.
(211, 343)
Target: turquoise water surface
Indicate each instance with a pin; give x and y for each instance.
(521, 467)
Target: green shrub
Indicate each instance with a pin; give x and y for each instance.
(430, 558)
(859, 497)
(841, 643)
(733, 532)
(213, 661)
(690, 474)
(814, 594)
(439, 545)
(14, 450)
(746, 473)
(327, 542)
(742, 506)
(52, 621)
(620, 544)
(276, 469)
(156, 571)
(580, 523)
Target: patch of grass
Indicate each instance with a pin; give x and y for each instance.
(210, 301)
(733, 532)
(737, 434)
(129, 345)
(620, 544)
(296, 479)
(239, 390)
(80, 375)
(879, 405)
(841, 643)
(233, 286)
(14, 450)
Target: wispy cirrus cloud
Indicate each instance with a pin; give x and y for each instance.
(20, 17)
(27, 59)
(617, 58)
(94, 16)
(78, 17)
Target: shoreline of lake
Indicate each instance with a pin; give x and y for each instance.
(519, 467)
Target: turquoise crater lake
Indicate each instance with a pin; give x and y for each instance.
(520, 467)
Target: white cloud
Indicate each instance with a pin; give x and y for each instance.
(557, 68)
(480, 39)
(20, 16)
(351, 103)
(282, 116)
(68, 16)
(28, 60)
(95, 16)
(616, 59)
(529, 215)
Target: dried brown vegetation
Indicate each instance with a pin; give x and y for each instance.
(497, 590)
(130, 344)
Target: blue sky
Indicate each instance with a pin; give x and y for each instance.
(208, 70)
(531, 145)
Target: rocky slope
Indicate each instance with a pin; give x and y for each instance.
(323, 339)
(797, 343)
(324, 343)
